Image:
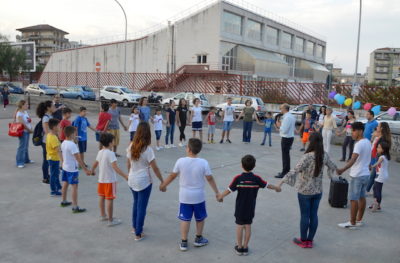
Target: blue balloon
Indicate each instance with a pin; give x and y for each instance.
(341, 99)
(356, 105)
(336, 97)
(376, 109)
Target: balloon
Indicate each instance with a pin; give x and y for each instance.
(348, 102)
(332, 94)
(391, 111)
(376, 109)
(367, 106)
(356, 105)
(337, 96)
(341, 100)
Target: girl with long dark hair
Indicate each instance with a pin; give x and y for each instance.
(308, 179)
(181, 120)
(140, 158)
(348, 141)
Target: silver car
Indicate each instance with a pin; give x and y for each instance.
(239, 103)
(40, 89)
(297, 111)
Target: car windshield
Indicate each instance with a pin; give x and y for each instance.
(43, 86)
(126, 90)
(86, 88)
(259, 101)
(202, 97)
(236, 100)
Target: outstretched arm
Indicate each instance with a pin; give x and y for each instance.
(119, 171)
(170, 178)
(213, 185)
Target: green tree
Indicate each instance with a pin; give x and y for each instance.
(12, 60)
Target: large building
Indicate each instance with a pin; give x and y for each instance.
(384, 66)
(48, 39)
(222, 35)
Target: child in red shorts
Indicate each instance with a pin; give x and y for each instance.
(307, 126)
(108, 167)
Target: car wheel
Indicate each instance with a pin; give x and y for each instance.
(79, 98)
(41, 94)
(61, 96)
(27, 93)
(125, 103)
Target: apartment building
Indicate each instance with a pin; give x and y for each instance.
(384, 66)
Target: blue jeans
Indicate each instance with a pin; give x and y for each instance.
(140, 201)
(372, 175)
(22, 151)
(309, 215)
(170, 134)
(265, 137)
(247, 126)
(132, 134)
(55, 185)
(45, 164)
(158, 134)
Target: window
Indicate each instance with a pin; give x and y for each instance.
(232, 23)
(253, 30)
(310, 48)
(320, 51)
(201, 59)
(299, 46)
(272, 35)
(229, 59)
(287, 40)
(236, 100)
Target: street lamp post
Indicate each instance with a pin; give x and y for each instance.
(354, 92)
(126, 36)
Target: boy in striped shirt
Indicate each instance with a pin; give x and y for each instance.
(247, 185)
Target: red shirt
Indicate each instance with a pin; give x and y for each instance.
(63, 123)
(374, 151)
(211, 118)
(104, 117)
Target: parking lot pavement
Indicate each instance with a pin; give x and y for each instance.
(35, 229)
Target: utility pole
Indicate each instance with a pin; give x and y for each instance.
(126, 36)
(355, 90)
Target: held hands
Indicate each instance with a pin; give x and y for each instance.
(339, 171)
(219, 197)
(278, 189)
(163, 188)
(89, 172)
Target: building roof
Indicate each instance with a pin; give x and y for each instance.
(40, 28)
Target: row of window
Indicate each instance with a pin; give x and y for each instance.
(233, 24)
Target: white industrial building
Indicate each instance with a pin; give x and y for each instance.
(222, 35)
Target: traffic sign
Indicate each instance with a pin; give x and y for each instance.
(98, 66)
(355, 89)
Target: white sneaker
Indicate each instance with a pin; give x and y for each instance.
(167, 146)
(20, 166)
(114, 222)
(173, 146)
(359, 223)
(348, 225)
(161, 147)
(157, 148)
(180, 144)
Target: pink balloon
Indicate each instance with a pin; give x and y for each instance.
(391, 111)
(367, 106)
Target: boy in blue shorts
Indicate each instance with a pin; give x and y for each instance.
(193, 173)
(82, 123)
(268, 123)
(71, 159)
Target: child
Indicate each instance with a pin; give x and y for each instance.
(107, 162)
(171, 117)
(382, 171)
(70, 174)
(53, 157)
(133, 121)
(65, 122)
(103, 121)
(247, 185)
(268, 122)
(196, 118)
(5, 93)
(211, 119)
(192, 171)
(81, 123)
(158, 125)
(307, 127)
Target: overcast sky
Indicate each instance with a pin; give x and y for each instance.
(335, 19)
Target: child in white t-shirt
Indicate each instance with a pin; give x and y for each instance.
(158, 126)
(106, 189)
(193, 172)
(133, 121)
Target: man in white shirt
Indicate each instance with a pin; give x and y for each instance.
(286, 131)
(227, 115)
(359, 175)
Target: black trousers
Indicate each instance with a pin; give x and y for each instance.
(378, 191)
(182, 130)
(286, 146)
(348, 141)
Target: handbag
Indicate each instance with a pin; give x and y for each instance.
(15, 129)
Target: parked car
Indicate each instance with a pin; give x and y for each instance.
(40, 89)
(239, 103)
(78, 92)
(154, 98)
(11, 87)
(298, 112)
(393, 121)
(120, 94)
(190, 96)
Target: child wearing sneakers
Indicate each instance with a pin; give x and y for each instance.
(70, 173)
(247, 185)
(192, 172)
(65, 122)
(106, 188)
(211, 120)
(268, 123)
(158, 126)
(53, 157)
(133, 123)
(82, 123)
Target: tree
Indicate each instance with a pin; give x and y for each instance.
(12, 60)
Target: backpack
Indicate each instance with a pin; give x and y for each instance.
(37, 138)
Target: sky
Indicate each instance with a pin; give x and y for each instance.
(100, 20)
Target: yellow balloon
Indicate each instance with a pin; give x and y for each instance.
(348, 102)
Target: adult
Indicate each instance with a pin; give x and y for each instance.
(22, 117)
(329, 126)
(113, 125)
(286, 127)
(359, 174)
(5, 93)
(370, 125)
(249, 114)
(228, 112)
(181, 119)
(140, 158)
(314, 114)
(348, 140)
(144, 109)
(321, 116)
(170, 116)
(307, 176)
(196, 119)
(382, 133)
(57, 114)
(45, 111)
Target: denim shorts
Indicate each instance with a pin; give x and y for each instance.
(197, 126)
(211, 129)
(227, 125)
(82, 145)
(358, 187)
(186, 212)
(158, 134)
(70, 177)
